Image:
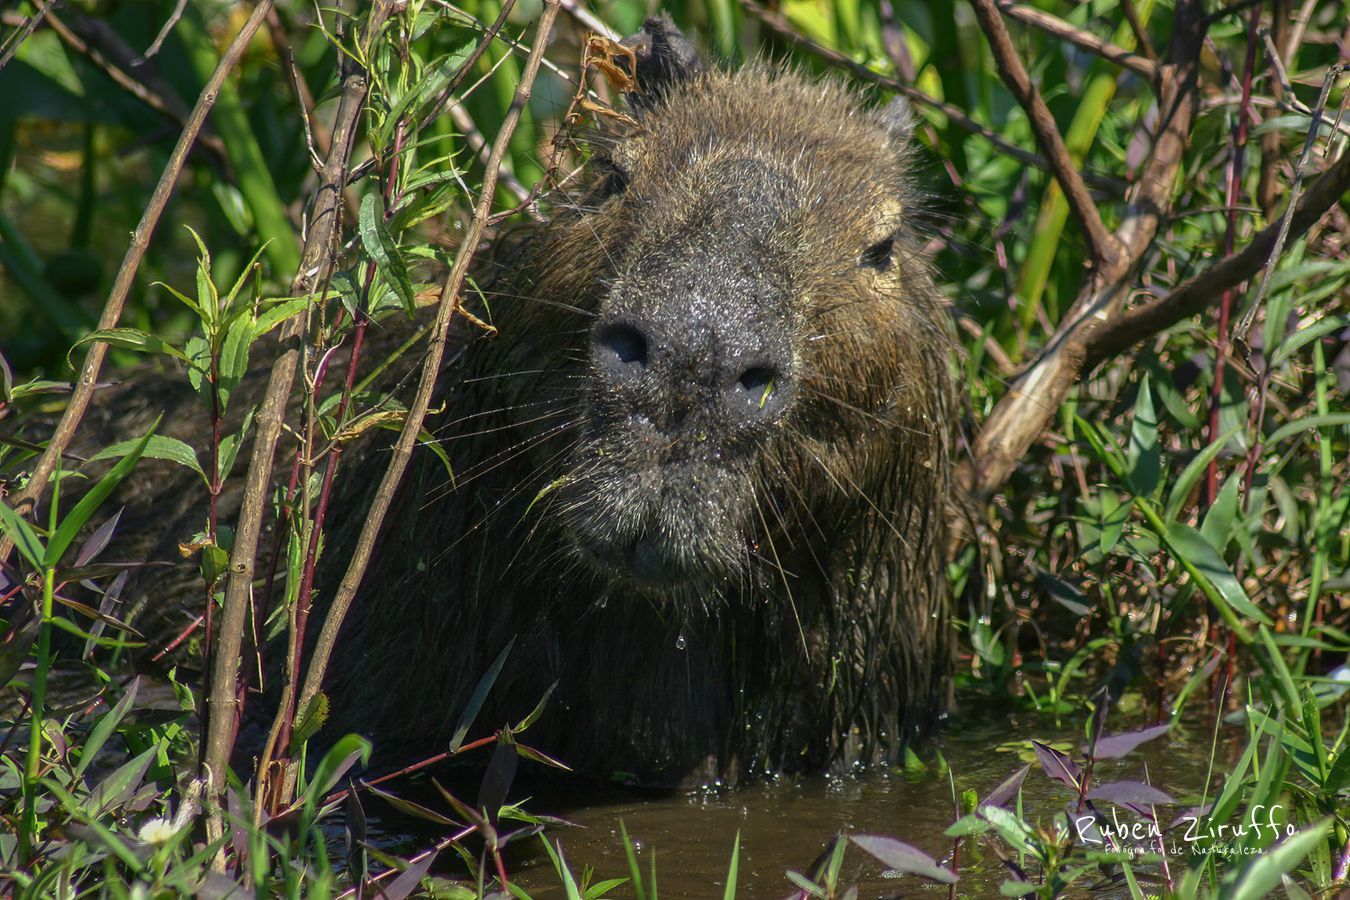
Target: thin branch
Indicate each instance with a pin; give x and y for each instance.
(115, 61)
(1245, 326)
(449, 306)
(1021, 415)
(1196, 293)
(164, 31)
(315, 265)
(589, 19)
(1104, 247)
(126, 275)
(1222, 100)
(1296, 33)
(780, 26)
(21, 34)
(479, 145)
(1053, 25)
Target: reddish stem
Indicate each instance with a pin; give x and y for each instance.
(182, 636)
(1232, 196)
(213, 489)
(302, 602)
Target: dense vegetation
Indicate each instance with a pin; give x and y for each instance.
(1140, 212)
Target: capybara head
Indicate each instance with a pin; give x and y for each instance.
(743, 263)
(702, 473)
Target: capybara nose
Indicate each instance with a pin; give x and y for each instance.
(758, 391)
(621, 354)
(734, 377)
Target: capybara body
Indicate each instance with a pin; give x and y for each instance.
(703, 474)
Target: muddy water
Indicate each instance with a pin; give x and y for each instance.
(786, 825)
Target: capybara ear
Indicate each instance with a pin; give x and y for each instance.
(665, 57)
(898, 119)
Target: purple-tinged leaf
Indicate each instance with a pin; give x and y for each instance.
(111, 597)
(1005, 792)
(17, 639)
(106, 725)
(500, 775)
(462, 809)
(1057, 765)
(901, 857)
(1015, 871)
(114, 790)
(409, 808)
(1194, 814)
(354, 829)
(543, 758)
(1114, 746)
(1088, 827)
(98, 540)
(409, 878)
(1134, 793)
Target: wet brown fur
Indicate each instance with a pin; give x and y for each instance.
(811, 628)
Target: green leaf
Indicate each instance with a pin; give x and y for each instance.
(1186, 542)
(130, 339)
(230, 444)
(1010, 828)
(215, 560)
(602, 888)
(1339, 776)
(310, 721)
(243, 275)
(1218, 522)
(280, 310)
(1308, 423)
(560, 866)
(1262, 875)
(100, 733)
(233, 363)
(479, 695)
(111, 840)
(198, 351)
(182, 298)
(1115, 515)
(1181, 487)
(1307, 335)
(23, 536)
(639, 889)
(1143, 460)
(335, 763)
(158, 447)
(90, 502)
(208, 299)
(729, 893)
(381, 247)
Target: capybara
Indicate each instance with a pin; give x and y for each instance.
(702, 476)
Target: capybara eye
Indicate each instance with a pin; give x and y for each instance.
(615, 179)
(878, 256)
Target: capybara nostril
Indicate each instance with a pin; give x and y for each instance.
(759, 391)
(620, 352)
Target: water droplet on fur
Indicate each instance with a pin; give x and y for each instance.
(603, 601)
(680, 643)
